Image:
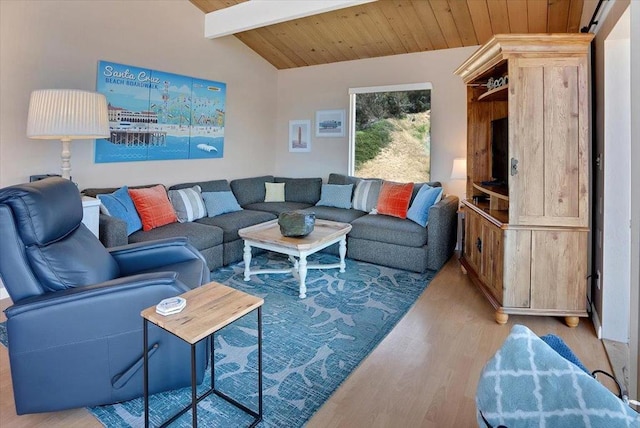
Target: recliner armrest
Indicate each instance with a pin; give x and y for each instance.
(134, 258)
(97, 290)
(87, 313)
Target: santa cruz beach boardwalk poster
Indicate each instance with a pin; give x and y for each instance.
(155, 115)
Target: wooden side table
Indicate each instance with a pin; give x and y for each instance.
(209, 308)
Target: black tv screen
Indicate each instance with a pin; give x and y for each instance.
(500, 150)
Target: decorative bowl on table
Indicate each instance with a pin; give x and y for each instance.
(296, 224)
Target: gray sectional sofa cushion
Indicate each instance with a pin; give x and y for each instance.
(301, 190)
(230, 223)
(335, 214)
(276, 208)
(343, 179)
(205, 239)
(250, 190)
(299, 193)
(205, 186)
(391, 230)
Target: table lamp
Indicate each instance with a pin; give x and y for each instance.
(65, 115)
(459, 170)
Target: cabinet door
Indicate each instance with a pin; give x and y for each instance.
(491, 259)
(559, 270)
(517, 268)
(548, 137)
(472, 235)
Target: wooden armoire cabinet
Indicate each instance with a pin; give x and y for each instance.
(525, 242)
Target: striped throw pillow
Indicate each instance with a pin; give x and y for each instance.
(188, 203)
(365, 197)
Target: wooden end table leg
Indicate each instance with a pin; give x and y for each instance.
(302, 271)
(343, 253)
(259, 362)
(247, 261)
(145, 341)
(194, 394)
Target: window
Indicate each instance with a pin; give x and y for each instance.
(390, 132)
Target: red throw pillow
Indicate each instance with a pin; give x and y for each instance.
(153, 206)
(394, 199)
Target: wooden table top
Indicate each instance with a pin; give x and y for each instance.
(209, 308)
(269, 233)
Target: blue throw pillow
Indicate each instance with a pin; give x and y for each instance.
(119, 204)
(335, 195)
(426, 197)
(220, 203)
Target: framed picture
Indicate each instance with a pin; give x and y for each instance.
(299, 135)
(156, 115)
(330, 123)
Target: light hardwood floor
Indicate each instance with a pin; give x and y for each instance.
(423, 374)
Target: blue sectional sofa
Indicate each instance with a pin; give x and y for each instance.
(380, 239)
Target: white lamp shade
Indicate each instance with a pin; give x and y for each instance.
(69, 114)
(459, 170)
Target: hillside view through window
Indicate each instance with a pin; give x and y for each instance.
(392, 135)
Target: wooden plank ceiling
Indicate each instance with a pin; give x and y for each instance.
(391, 27)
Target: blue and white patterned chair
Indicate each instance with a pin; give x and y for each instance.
(529, 384)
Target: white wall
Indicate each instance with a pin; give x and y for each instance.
(302, 91)
(634, 336)
(57, 44)
(617, 184)
(604, 29)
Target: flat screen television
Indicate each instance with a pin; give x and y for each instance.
(500, 151)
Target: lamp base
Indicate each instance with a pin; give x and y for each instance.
(66, 158)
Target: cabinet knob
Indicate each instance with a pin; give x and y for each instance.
(479, 244)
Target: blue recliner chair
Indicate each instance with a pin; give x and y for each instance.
(75, 330)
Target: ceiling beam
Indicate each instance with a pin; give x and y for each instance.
(260, 13)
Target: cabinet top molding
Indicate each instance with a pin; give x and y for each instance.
(502, 46)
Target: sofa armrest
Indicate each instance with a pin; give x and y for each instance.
(112, 231)
(441, 231)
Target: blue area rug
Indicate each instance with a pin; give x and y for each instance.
(310, 345)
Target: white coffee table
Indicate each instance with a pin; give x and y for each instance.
(268, 237)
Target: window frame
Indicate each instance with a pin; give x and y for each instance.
(370, 89)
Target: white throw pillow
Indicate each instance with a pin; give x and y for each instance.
(274, 192)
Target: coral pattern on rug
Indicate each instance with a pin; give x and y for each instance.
(310, 345)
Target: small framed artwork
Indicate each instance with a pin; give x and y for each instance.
(330, 123)
(299, 135)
